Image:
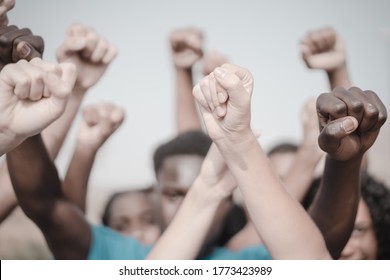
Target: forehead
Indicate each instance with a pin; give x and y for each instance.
(179, 170)
(130, 204)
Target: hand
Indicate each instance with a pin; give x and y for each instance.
(350, 121)
(323, 49)
(33, 95)
(90, 52)
(213, 60)
(186, 47)
(99, 122)
(5, 6)
(224, 98)
(17, 44)
(310, 129)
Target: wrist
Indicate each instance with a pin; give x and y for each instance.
(204, 194)
(339, 76)
(183, 70)
(239, 141)
(85, 148)
(79, 90)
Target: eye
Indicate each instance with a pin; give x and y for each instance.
(173, 195)
(148, 219)
(360, 229)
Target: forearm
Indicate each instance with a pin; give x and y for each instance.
(186, 233)
(186, 113)
(335, 205)
(34, 178)
(339, 77)
(300, 175)
(76, 179)
(273, 211)
(54, 136)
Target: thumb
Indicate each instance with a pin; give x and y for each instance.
(333, 133)
(232, 84)
(25, 51)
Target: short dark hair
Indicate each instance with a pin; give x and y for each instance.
(377, 197)
(284, 147)
(188, 143)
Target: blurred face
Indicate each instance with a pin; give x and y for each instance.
(362, 245)
(132, 214)
(173, 182)
(282, 162)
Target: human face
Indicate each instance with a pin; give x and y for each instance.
(362, 245)
(174, 179)
(282, 162)
(132, 214)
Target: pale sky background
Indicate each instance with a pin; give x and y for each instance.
(262, 36)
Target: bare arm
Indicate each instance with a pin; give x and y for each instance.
(300, 175)
(38, 190)
(99, 122)
(350, 121)
(325, 49)
(273, 211)
(186, 46)
(186, 233)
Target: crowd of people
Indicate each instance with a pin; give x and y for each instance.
(217, 193)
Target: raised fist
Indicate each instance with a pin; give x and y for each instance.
(89, 51)
(323, 49)
(99, 122)
(350, 121)
(186, 47)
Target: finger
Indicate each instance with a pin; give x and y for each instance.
(329, 35)
(353, 101)
(92, 40)
(318, 42)
(205, 87)
(330, 108)
(100, 51)
(117, 116)
(332, 134)
(69, 75)
(24, 50)
(110, 55)
(70, 46)
(221, 110)
(36, 81)
(233, 84)
(90, 115)
(380, 110)
(61, 86)
(213, 90)
(17, 79)
(198, 95)
(33, 40)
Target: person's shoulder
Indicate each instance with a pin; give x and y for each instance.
(108, 244)
(258, 252)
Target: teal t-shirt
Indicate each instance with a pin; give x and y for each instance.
(107, 244)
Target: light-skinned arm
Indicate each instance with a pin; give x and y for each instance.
(99, 122)
(273, 211)
(186, 48)
(325, 49)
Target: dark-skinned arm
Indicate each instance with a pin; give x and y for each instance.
(350, 121)
(38, 190)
